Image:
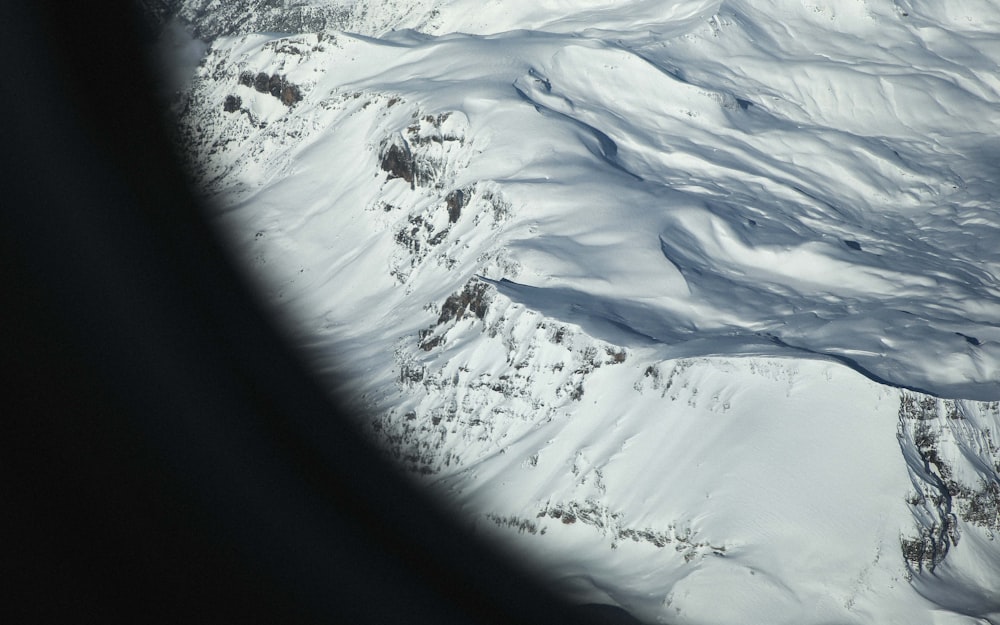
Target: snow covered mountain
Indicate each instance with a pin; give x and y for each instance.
(679, 299)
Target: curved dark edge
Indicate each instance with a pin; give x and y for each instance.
(166, 457)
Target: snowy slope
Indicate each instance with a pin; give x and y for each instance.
(661, 293)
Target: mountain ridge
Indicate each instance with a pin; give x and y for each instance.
(569, 287)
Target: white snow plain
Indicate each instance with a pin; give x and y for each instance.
(692, 303)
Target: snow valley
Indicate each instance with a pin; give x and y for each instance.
(669, 296)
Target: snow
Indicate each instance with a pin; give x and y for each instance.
(716, 280)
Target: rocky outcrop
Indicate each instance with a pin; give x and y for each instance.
(209, 19)
(456, 200)
(274, 85)
(232, 104)
(397, 160)
(955, 470)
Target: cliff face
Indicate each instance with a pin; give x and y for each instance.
(668, 309)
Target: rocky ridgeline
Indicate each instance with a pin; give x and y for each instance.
(457, 411)
(954, 464)
(209, 19)
(418, 154)
(613, 526)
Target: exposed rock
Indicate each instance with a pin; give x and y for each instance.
(232, 104)
(261, 81)
(942, 496)
(290, 94)
(210, 19)
(456, 200)
(275, 85)
(472, 299)
(398, 161)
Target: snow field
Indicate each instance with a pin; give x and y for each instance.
(644, 309)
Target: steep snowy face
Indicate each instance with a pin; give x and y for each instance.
(654, 291)
(839, 207)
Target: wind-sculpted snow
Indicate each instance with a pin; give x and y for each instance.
(671, 296)
(810, 235)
